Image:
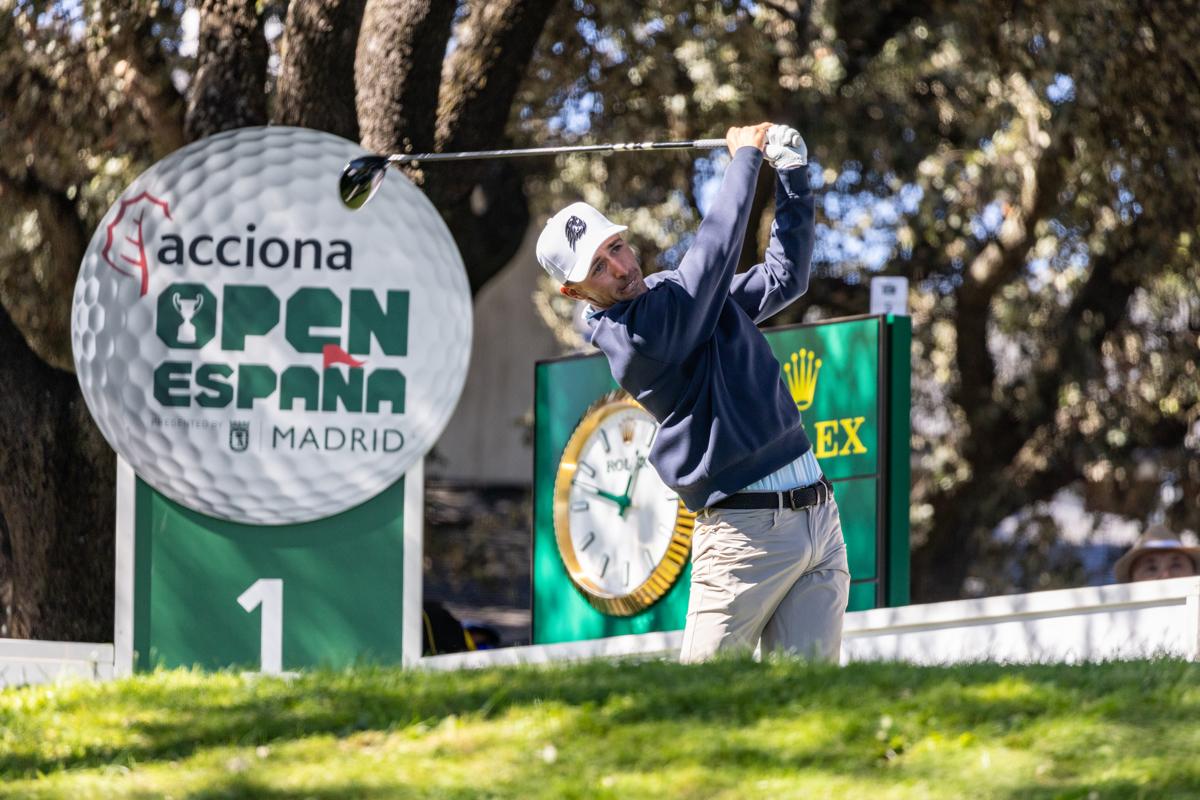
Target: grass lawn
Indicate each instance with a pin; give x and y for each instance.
(732, 729)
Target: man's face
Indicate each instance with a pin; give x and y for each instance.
(614, 277)
(1155, 566)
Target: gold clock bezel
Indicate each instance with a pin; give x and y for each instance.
(668, 569)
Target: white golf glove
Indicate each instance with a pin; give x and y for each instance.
(785, 148)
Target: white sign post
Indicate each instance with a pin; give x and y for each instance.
(271, 368)
(889, 295)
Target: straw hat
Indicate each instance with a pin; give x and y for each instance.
(1157, 539)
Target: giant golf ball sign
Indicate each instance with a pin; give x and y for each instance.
(257, 351)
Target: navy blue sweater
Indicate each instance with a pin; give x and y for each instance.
(690, 351)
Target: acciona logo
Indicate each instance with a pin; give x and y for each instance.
(125, 239)
(241, 336)
(126, 251)
(245, 250)
(191, 316)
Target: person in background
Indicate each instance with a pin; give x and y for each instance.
(1157, 554)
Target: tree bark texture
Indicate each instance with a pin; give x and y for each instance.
(316, 76)
(484, 202)
(56, 502)
(483, 71)
(45, 307)
(229, 87)
(409, 101)
(397, 72)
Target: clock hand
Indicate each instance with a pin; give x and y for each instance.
(637, 466)
(619, 500)
(627, 500)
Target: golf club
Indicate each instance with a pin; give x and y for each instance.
(362, 176)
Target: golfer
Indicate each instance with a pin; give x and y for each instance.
(768, 558)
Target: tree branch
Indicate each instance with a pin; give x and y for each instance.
(799, 17)
(874, 24)
(316, 76)
(484, 202)
(999, 483)
(481, 75)
(479, 81)
(56, 500)
(63, 239)
(229, 88)
(397, 71)
(1099, 306)
(135, 56)
(999, 263)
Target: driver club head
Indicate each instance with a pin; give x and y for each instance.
(360, 180)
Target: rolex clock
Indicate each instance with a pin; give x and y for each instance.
(623, 535)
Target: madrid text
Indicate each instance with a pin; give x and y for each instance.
(330, 438)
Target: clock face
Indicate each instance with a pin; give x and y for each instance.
(622, 533)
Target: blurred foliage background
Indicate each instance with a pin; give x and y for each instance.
(1033, 169)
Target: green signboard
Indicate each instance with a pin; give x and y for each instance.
(214, 594)
(850, 380)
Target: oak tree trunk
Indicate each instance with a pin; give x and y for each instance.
(57, 505)
(401, 109)
(316, 74)
(229, 88)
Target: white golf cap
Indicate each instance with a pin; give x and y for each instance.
(570, 239)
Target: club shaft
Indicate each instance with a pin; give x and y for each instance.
(698, 144)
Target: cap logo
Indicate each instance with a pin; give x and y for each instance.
(575, 229)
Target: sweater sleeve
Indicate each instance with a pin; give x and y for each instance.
(765, 289)
(672, 323)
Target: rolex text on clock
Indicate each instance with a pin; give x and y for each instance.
(623, 535)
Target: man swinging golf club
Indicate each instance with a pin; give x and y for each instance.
(768, 558)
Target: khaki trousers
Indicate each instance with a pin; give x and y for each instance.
(776, 576)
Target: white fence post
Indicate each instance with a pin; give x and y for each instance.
(123, 600)
(1193, 623)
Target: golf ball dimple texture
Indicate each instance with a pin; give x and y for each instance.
(265, 464)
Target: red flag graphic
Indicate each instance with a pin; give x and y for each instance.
(336, 355)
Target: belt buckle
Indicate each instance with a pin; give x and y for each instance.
(792, 499)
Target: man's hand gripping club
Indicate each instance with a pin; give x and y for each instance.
(782, 145)
(747, 136)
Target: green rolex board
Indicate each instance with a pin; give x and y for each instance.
(850, 379)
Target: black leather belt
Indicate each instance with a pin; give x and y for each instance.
(805, 497)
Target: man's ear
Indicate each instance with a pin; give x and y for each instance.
(572, 293)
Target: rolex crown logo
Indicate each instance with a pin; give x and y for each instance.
(627, 431)
(802, 377)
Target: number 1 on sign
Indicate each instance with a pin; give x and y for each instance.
(268, 593)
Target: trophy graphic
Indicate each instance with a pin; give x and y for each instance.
(187, 309)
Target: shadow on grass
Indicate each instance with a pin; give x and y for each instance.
(249, 789)
(721, 697)
(1183, 787)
